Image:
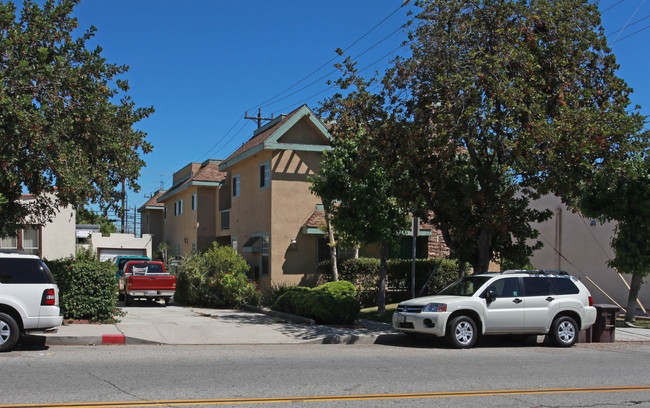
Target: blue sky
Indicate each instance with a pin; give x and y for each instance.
(202, 63)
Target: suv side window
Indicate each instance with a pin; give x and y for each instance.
(507, 287)
(537, 286)
(564, 286)
(24, 270)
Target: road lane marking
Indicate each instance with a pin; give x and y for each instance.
(326, 398)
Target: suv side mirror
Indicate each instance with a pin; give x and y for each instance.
(490, 295)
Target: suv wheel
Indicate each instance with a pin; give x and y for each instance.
(564, 332)
(8, 332)
(461, 332)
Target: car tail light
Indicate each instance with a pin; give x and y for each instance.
(591, 301)
(49, 298)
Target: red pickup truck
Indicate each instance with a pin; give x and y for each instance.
(147, 279)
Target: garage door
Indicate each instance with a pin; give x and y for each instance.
(105, 254)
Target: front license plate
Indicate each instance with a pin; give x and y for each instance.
(150, 293)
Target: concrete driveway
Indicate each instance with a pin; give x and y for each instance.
(153, 323)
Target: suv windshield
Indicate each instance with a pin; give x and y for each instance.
(466, 286)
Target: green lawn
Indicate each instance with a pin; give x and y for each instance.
(371, 313)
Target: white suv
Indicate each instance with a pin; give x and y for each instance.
(29, 298)
(512, 302)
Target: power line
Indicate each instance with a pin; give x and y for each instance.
(628, 20)
(612, 6)
(268, 101)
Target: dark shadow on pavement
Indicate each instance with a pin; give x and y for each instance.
(31, 343)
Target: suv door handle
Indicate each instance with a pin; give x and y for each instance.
(550, 299)
(517, 301)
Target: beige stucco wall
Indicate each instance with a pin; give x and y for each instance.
(250, 212)
(181, 229)
(58, 236)
(291, 206)
(151, 222)
(582, 248)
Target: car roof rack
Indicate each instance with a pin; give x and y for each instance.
(536, 272)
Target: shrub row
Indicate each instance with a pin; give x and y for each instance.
(331, 303)
(215, 278)
(363, 273)
(87, 289)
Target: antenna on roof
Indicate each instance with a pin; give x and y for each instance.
(259, 117)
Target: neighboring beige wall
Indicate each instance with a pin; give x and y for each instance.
(116, 242)
(181, 230)
(250, 212)
(573, 244)
(58, 237)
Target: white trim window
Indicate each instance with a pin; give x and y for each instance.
(265, 175)
(236, 179)
(31, 241)
(178, 207)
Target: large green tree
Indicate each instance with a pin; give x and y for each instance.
(86, 216)
(66, 122)
(500, 101)
(624, 197)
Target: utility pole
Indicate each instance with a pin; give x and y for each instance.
(259, 117)
(123, 206)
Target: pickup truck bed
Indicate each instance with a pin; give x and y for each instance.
(147, 280)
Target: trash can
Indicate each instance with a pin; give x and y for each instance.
(603, 329)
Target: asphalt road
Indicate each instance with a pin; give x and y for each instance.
(406, 373)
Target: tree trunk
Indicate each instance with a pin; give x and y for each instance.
(635, 286)
(383, 272)
(332, 245)
(356, 252)
(484, 239)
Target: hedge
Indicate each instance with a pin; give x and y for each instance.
(87, 289)
(363, 273)
(330, 303)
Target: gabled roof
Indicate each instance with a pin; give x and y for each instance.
(152, 203)
(268, 137)
(207, 175)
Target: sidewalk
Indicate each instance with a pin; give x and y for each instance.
(150, 323)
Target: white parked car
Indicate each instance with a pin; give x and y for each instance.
(513, 302)
(29, 297)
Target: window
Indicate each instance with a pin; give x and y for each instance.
(235, 186)
(564, 286)
(265, 175)
(225, 219)
(177, 249)
(193, 246)
(265, 253)
(178, 207)
(537, 286)
(234, 243)
(194, 202)
(165, 213)
(9, 243)
(31, 241)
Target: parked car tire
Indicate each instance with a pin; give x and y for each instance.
(168, 300)
(564, 332)
(9, 332)
(128, 300)
(461, 332)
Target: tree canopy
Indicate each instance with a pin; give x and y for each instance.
(624, 197)
(67, 123)
(498, 103)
